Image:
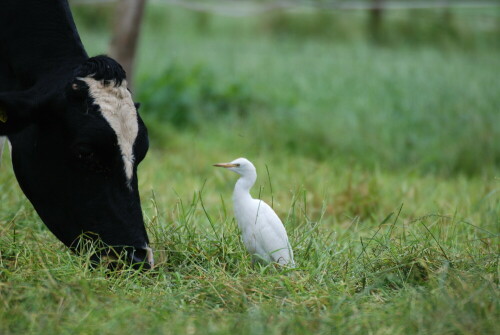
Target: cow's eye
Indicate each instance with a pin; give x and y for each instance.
(87, 156)
(89, 160)
(84, 152)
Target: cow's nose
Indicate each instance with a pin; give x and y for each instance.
(142, 257)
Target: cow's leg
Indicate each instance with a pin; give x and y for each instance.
(4, 139)
(2, 142)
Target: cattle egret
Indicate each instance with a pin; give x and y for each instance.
(263, 232)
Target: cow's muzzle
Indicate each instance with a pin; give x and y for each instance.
(142, 258)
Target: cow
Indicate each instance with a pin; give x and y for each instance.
(76, 135)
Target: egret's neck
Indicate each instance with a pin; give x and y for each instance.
(243, 186)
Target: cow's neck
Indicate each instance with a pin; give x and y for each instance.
(46, 38)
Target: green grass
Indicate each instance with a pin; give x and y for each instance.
(369, 272)
(383, 164)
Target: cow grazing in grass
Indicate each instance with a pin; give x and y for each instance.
(75, 132)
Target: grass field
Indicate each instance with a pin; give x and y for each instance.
(382, 160)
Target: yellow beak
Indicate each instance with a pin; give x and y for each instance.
(226, 165)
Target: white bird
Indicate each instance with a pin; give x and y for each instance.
(263, 232)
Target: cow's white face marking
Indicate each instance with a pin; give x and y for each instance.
(118, 109)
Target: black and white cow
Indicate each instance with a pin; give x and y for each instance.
(75, 132)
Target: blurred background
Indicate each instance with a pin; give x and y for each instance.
(410, 85)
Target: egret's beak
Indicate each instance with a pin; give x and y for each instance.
(226, 165)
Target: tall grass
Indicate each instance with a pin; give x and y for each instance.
(387, 272)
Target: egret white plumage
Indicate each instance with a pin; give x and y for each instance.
(263, 232)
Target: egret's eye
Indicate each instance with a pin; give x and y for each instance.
(237, 165)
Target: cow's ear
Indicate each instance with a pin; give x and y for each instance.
(17, 110)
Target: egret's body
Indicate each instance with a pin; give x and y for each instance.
(263, 233)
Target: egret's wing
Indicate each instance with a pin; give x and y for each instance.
(269, 216)
(273, 236)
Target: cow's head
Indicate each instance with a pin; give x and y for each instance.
(76, 144)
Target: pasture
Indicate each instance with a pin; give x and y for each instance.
(383, 161)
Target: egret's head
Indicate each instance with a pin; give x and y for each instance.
(241, 166)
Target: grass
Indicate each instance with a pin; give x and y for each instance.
(382, 274)
(382, 162)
